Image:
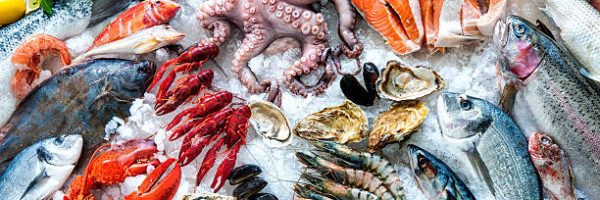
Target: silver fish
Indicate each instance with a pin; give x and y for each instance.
(553, 167)
(553, 97)
(579, 25)
(141, 42)
(494, 143)
(41, 168)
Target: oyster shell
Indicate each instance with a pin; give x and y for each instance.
(270, 123)
(398, 82)
(397, 123)
(342, 124)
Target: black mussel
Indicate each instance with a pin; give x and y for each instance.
(370, 74)
(249, 187)
(262, 196)
(355, 92)
(242, 173)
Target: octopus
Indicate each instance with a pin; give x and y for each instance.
(264, 21)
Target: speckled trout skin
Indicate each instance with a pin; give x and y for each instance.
(78, 100)
(553, 97)
(480, 128)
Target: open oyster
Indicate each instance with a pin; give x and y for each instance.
(342, 124)
(270, 123)
(397, 123)
(398, 82)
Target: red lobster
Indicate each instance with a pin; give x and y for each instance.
(188, 86)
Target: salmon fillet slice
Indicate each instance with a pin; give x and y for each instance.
(383, 19)
(470, 14)
(487, 22)
(430, 10)
(409, 12)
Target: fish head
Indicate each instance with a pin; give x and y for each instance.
(164, 10)
(62, 150)
(518, 46)
(461, 116)
(131, 80)
(543, 148)
(426, 171)
(168, 35)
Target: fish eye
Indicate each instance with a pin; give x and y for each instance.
(465, 104)
(537, 46)
(519, 29)
(158, 3)
(58, 140)
(422, 162)
(546, 140)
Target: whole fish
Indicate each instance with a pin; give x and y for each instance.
(553, 167)
(80, 99)
(496, 147)
(140, 42)
(436, 179)
(41, 169)
(553, 97)
(579, 25)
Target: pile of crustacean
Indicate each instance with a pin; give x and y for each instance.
(379, 99)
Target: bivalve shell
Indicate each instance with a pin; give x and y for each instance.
(269, 122)
(342, 124)
(397, 123)
(399, 83)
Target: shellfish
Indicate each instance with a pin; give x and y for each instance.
(397, 123)
(355, 92)
(399, 82)
(269, 122)
(342, 124)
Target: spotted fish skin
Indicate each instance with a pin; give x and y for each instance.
(80, 99)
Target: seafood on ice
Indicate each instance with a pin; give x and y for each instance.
(397, 123)
(399, 82)
(343, 123)
(270, 123)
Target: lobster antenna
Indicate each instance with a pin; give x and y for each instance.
(220, 68)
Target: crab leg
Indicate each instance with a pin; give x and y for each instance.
(152, 189)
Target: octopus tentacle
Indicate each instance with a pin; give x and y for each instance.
(252, 45)
(221, 32)
(310, 61)
(347, 22)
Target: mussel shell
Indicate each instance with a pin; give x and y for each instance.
(370, 75)
(270, 123)
(207, 196)
(249, 187)
(243, 173)
(344, 123)
(397, 123)
(398, 82)
(354, 91)
(262, 196)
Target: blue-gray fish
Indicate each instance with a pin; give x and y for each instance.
(553, 96)
(435, 178)
(80, 99)
(41, 168)
(496, 147)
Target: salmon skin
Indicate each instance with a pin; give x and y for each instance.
(553, 97)
(78, 100)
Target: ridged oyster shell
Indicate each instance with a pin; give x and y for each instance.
(398, 82)
(269, 122)
(397, 123)
(344, 123)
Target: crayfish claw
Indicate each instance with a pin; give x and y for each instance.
(158, 184)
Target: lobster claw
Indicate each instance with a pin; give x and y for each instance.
(152, 188)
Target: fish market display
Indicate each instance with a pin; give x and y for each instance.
(263, 21)
(351, 174)
(553, 167)
(28, 57)
(553, 90)
(489, 135)
(399, 82)
(578, 23)
(141, 42)
(82, 98)
(436, 179)
(397, 123)
(270, 123)
(344, 123)
(41, 169)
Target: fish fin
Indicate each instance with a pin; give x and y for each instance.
(481, 170)
(587, 74)
(146, 46)
(508, 96)
(542, 27)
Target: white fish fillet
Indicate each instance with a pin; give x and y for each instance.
(579, 25)
(142, 42)
(451, 33)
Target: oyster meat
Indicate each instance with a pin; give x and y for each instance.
(269, 122)
(342, 124)
(398, 82)
(397, 123)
